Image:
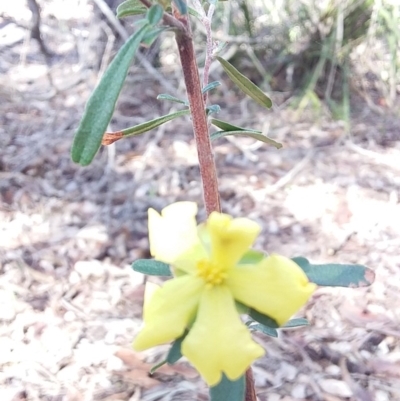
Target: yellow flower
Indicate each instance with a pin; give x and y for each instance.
(209, 281)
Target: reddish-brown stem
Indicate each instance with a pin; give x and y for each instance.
(250, 394)
(168, 18)
(197, 108)
(200, 127)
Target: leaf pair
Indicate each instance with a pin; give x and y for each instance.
(324, 275)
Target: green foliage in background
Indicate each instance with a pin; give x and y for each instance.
(321, 51)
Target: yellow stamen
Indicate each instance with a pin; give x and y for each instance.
(210, 273)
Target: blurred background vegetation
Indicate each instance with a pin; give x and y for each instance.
(321, 53)
(317, 50)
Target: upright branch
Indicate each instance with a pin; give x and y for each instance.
(209, 47)
(200, 127)
(197, 108)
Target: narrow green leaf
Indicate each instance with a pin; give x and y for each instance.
(244, 84)
(227, 390)
(182, 6)
(228, 127)
(214, 108)
(153, 34)
(101, 104)
(298, 322)
(251, 134)
(175, 353)
(165, 96)
(151, 267)
(211, 86)
(221, 46)
(158, 366)
(252, 257)
(263, 319)
(130, 7)
(269, 331)
(193, 12)
(336, 275)
(149, 125)
(242, 309)
(154, 14)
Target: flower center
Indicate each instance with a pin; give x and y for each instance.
(210, 272)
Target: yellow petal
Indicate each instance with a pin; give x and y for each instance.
(276, 287)
(187, 260)
(169, 311)
(172, 232)
(149, 290)
(230, 238)
(218, 341)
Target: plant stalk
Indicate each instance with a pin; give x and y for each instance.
(197, 109)
(250, 393)
(200, 127)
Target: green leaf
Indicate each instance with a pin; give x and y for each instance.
(336, 275)
(158, 366)
(269, 331)
(130, 7)
(149, 125)
(175, 353)
(242, 309)
(182, 6)
(152, 35)
(214, 108)
(154, 14)
(298, 322)
(227, 390)
(263, 319)
(100, 107)
(251, 134)
(151, 267)
(252, 257)
(244, 84)
(165, 96)
(230, 129)
(211, 86)
(193, 12)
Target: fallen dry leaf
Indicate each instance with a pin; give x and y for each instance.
(134, 360)
(131, 358)
(140, 378)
